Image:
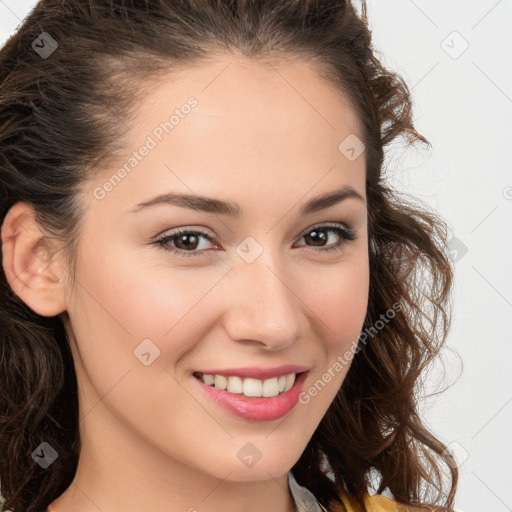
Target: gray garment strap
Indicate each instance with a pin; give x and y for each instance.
(305, 500)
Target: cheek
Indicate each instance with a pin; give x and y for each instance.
(340, 305)
(122, 302)
(141, 299)
(121, 306)
(340, 299)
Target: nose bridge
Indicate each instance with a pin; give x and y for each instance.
(263, 307)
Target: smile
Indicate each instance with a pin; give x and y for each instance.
(254, 394)
(248, 386)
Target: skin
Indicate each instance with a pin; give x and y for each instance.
(268, 140)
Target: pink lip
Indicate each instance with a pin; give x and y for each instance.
(255, 372)
(255, 408)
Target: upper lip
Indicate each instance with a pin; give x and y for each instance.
(256, 372)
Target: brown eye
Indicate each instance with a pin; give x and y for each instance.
(185, 242)
(319, 237)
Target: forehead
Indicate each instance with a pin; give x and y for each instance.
(234, 87)
(252, 127)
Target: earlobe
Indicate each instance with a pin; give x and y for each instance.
(34, 275)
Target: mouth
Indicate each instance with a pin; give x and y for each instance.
(249, 387)
(254, 394)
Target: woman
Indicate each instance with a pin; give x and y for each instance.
(211, 298)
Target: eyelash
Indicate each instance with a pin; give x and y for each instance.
(347, 235)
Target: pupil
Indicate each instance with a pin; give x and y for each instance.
(182, 240)
(320, 234)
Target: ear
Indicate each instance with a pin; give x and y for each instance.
(33, 272)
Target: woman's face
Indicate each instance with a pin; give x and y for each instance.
(253, 298)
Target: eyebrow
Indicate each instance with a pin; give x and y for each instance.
(220, 207)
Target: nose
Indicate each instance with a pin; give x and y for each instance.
(263, 308)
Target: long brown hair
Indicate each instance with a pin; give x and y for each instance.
(63, 116)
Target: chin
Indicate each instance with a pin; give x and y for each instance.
(259, 458)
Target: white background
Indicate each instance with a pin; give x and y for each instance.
(463, 106)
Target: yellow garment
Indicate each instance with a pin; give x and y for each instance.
(377, 503)
(305, 501)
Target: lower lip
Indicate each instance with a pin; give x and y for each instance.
(255, 408)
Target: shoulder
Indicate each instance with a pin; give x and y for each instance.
(380, 503)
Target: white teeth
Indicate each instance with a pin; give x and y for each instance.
(251, 387)
(290, 380)
(221, 382)
(235, 385)
(209, 379)
(270, 387)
